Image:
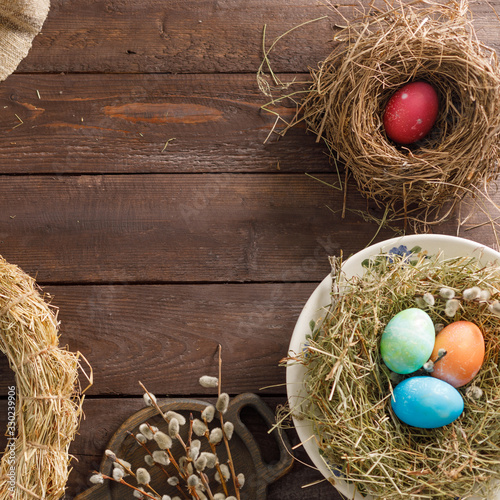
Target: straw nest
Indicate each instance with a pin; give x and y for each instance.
(48, 400)
(387, 48)
(348, 386)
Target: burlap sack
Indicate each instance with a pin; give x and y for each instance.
(20, 22)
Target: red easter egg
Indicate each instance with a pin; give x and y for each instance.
(464, 345)
(411, 112)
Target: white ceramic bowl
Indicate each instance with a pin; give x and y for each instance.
(450, 247)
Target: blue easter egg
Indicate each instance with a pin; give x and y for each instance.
(407, 341)
(426, 402)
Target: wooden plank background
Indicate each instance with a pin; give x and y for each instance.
(139, 188)
(197, 36)
(102, 123)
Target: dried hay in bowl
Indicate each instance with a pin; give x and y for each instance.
(348, 387)
(47, 395)
(387, 48)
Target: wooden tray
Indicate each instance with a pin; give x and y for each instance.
(244, 449)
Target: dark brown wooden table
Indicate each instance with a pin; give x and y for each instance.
(137, 186)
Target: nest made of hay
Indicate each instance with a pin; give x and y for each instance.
(386, 49)
(46, 395)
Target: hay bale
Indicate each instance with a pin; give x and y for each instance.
(48, 400)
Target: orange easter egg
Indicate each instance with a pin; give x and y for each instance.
(464, 345)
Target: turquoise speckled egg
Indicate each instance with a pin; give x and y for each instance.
(426, 402)
(407, 341)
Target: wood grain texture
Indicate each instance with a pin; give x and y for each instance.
(120, 124)
(196, 36)
(185, 228)
(167, 336)
(103, 417)
(176, 228)
(174, 37)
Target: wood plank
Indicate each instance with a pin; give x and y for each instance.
(104, 416)
(196, 36)
(121, 123)
(177, 228)
(167, 336)
(187, 228)
(180, 36)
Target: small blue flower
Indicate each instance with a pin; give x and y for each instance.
(402, 251)
(305, 349)
(336, 471)
(334, 468)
